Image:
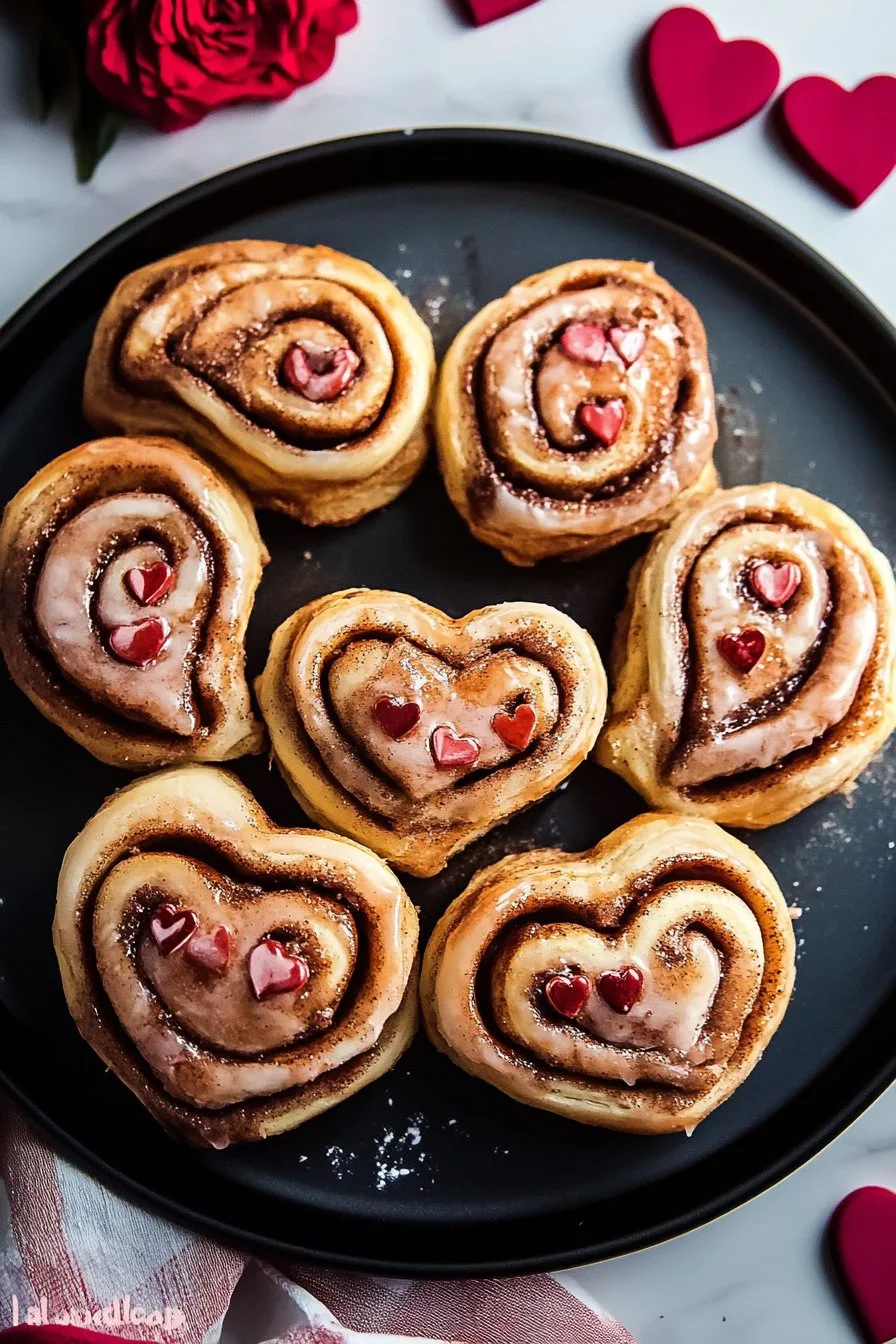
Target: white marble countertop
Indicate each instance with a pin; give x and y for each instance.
(564, 65)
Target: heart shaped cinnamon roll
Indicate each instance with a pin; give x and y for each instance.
(576, 411)
(129, 569)
(634, 986)
(301, 368)
(416, 733)
(239, 978)
(756, 666)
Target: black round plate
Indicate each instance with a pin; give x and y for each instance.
(429, 1171)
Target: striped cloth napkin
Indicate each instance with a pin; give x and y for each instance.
(74, 1254)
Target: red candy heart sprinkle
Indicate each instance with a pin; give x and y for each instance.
(775, 582)
(621, 990)
(515, 730)
(151, 583)
(210, 950)
(628, 342)
(705, 86)
(171, 928)
(743, 650)
(603, 420)
(847, 137)
(451, 752)
(273, 971)
(318, 373)
(568, 994)
(140, 643)
(396, 717)
(584, 341)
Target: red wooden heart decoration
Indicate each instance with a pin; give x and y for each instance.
(705, 86)
(847, 138)
(486, 11)
(863, 1233)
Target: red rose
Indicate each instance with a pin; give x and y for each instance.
(173, 61)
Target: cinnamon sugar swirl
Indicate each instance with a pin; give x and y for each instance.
(634, 986)
(415, 733)
(576, 411)
(303, 369)
(237, 977)
(129, 569)
(755, 664)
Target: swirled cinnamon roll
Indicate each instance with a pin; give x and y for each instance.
(576, 411)
(755, 668)
(415, 733)
(634, 986)
(303, 369)
(128, 569)
(237, 977)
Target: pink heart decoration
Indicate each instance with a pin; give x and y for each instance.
(210, 950)
(317, 373)
(703, 85)
(171, 928)
(863, 1233)
(847, 138)
(486, 11)
(568, 994)
(273, 971)
(584, 341)
(628, 342)
(451, 752)
(775, 583)
(151, 583)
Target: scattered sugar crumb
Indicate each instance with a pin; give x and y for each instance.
(306, 555)
(796, 911)
(755, 386)
(340, 1160)
(393, 1153)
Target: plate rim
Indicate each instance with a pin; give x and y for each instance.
(865, 319)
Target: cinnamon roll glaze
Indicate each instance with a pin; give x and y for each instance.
(237, 977)
(416, 733)
(634, 986)
(129, 568)
(576, 411)
(303, 369)
(755, 664)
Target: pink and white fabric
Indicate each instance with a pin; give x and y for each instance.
(75, 1254)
